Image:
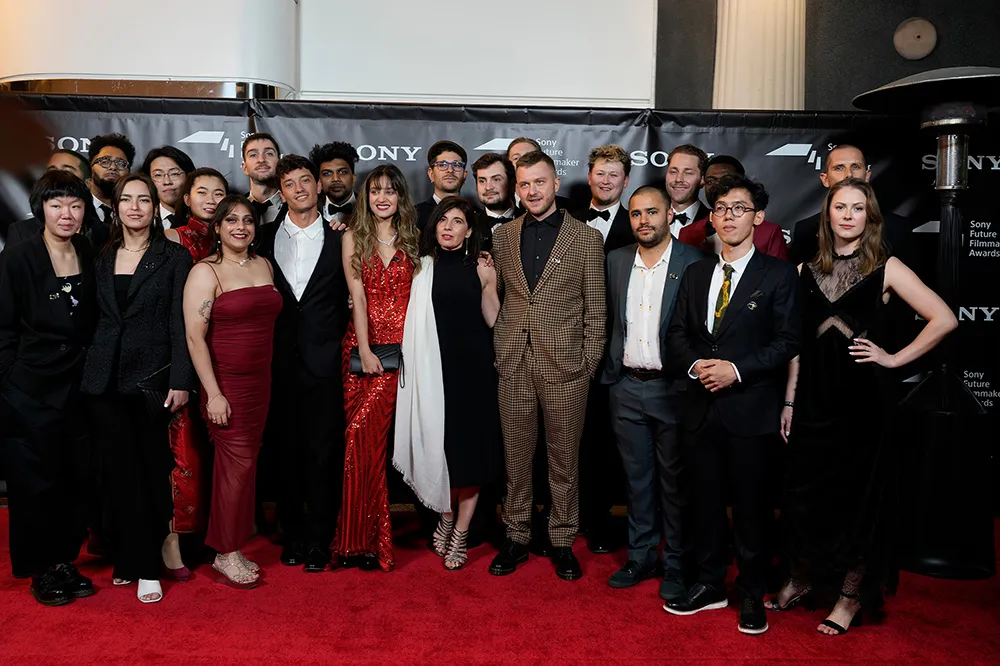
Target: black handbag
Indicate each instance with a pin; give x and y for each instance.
(154, 389)
(390, 356)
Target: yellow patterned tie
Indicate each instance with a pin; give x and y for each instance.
(723, 301)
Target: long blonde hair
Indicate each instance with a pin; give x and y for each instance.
(364, 224)
(872, 247)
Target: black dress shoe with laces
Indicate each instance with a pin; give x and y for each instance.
(49, 589)
(672, 586)
(511, 554)
(700, 597)
(567, 566)
(753, 617)
(293, 555)
(316, 560)
(632, 574)
(74, 582)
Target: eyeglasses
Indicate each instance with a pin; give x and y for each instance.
(175, 174)
(107, 161)
(444, 165)
(738, 209)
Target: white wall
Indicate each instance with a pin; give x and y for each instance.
(194, 40)
(508, 52)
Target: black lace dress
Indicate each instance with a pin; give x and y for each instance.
(837, 509)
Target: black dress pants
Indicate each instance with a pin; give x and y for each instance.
(723, 466)
(307, 436)
(601, 473)
(45, 451)
(141, 463)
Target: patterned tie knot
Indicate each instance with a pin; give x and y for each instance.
(727, 270)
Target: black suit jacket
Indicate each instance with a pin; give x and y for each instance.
(149, 334)
(42, 346)
(311, 329)
(620, 234)
(760, 333)
(897, 235)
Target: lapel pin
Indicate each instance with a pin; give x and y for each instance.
(752, 305)
(672, 276)
(555, 261)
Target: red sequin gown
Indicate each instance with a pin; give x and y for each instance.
(364, 527)
(188, 437)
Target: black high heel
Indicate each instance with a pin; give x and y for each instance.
(856, 621)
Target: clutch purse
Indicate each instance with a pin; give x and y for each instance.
(154, 389)
(390, 356)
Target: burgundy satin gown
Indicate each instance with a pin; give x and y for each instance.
(364, 527)
(240, 338)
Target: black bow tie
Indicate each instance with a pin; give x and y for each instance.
(106, 210)
(681, 218)
(594, 214)
(332, 209)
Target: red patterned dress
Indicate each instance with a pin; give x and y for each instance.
(188, 437)
(364, 527)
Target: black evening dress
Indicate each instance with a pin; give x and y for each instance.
(472, 441)
(838, 508)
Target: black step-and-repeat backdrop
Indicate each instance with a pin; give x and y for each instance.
(786, 151)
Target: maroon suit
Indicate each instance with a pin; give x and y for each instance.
(767, 238)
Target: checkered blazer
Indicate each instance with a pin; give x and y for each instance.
(565, 315)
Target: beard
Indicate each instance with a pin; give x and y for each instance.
(657, 237)
(107, 187)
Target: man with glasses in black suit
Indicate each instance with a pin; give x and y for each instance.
(446, 162)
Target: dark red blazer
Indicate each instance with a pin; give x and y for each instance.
(767, 238)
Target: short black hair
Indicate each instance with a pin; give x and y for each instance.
(176, 154)
(428, 237)
(442, 146)
(259, 136)
(651, 189)
(119, 141)
(198, 173)
(84, 162)
(290, 163)
(54, 184)
(338, 150)
(727, 184)
(535, 157)
(693, 151)
(489, 159)
(728, 160)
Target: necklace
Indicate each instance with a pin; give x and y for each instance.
(389, 242)
(128, 249)
(240, 263)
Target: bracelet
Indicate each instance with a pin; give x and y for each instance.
(211, 399)
(789, 403)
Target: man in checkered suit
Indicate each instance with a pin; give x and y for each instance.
(549, 340)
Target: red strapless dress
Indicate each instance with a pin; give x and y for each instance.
(364, 527)
(240, 339)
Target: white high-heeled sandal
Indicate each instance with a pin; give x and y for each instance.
(147, 587)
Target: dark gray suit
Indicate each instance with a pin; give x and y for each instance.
(645, 410)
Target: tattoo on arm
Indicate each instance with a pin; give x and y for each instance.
(205, 310)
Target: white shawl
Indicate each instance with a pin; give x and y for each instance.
(419, 444)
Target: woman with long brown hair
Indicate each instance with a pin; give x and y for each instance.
(381, 255)
(838, 410)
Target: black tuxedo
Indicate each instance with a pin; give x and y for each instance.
(131, 344)
(896, 233)
(305, 431)
(729, 434)
(620, 234)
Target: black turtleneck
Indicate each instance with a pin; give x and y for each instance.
(538, 237)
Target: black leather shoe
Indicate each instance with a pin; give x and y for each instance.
(599, 543)
(672, 586)
(368, 563)
(49, 589)
(293, 555)
(316, 560)
(701, 597)
(632, 574)
(511, 554)
(567, 566)
(540, 546)
(753, 617)
(74, 582)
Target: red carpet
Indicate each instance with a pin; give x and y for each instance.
(422, 614)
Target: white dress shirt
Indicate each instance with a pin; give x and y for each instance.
(164, 212)
(690, 211)
(508, 215)
(297, 252)
(272, 211)
(643, 306)
(718, 277)
(342, 218)
(100, 211)
(602, 225)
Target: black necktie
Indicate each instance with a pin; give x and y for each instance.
(594, 214)
(332, 209)
(681, 218)
(168, 220)
(106, 211)
(260, 207)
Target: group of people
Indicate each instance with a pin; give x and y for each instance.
(513, 349)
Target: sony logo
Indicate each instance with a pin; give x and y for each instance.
(81, 145)
(970, 313)
(367, 153)
(979, 162)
